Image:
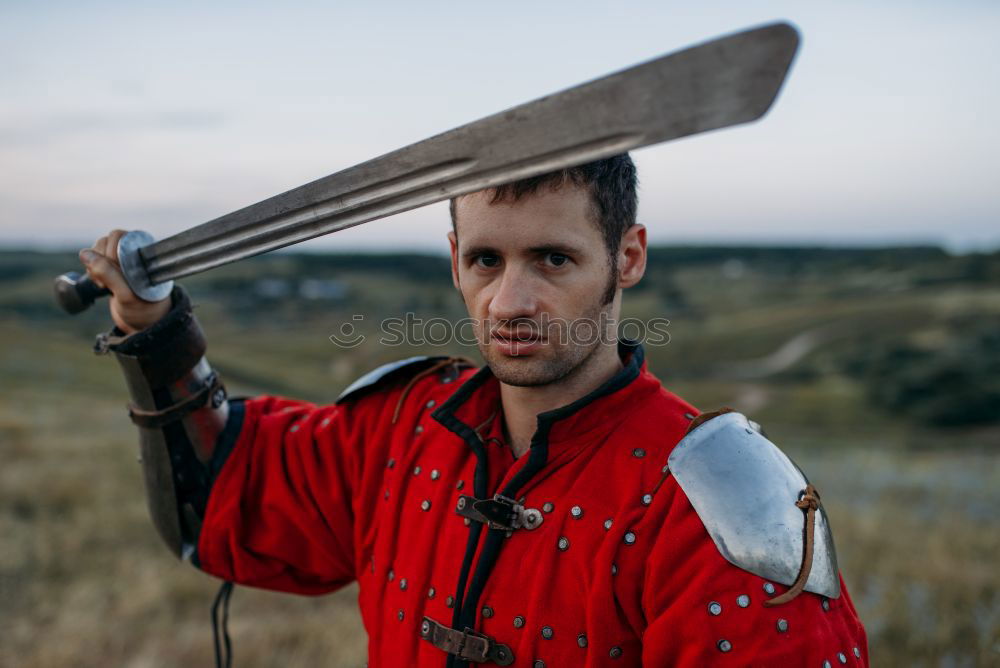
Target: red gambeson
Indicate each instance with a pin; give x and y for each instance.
(620, 572)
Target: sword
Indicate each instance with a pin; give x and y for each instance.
(717, 84)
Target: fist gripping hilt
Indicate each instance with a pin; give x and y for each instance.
(77, 292)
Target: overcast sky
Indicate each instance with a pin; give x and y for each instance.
(161, 115)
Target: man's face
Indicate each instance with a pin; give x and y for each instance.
(533, 274)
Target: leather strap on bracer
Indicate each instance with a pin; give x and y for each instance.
(212, 393)
(167, 350)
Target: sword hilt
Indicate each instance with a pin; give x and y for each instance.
(76, 293)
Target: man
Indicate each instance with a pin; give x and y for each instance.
(524, 513)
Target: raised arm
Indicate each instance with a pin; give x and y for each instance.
(261, 491)
(177, 401)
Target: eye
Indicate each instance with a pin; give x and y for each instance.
(487, 260)
(557, 259)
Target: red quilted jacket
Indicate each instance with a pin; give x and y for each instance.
(620, 572)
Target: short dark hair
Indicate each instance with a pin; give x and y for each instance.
(612, 185)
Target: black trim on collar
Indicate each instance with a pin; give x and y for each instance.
(466, 604)
(445, 413)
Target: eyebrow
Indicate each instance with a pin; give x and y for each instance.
(564, 249)
(535, 250)
(472, 251)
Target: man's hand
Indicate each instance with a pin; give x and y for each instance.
(129, 313)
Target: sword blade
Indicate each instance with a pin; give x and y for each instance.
(724, 82)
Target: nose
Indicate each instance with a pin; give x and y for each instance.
(513, 298)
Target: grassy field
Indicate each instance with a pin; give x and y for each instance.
(85, 582)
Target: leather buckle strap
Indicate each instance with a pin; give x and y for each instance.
(467, 644)
(213, 390)
(499, 512)
(809, 502)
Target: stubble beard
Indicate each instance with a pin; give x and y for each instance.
(558, 361)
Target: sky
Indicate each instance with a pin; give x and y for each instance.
(162, 115)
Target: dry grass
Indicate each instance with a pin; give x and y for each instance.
(918, 536)
(85, 582)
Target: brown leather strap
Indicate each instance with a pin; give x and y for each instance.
(809, 502)
(467, 644)
(106, 341)
(437, 366)
(705, 417)
(486, 423)
(166, 350)
(213, 390)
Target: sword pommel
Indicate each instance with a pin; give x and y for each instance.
(76, 293)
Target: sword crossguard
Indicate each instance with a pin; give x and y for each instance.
(76, 292)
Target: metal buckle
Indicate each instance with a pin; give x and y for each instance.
(212, 393)
(499, 512)
(467, 644)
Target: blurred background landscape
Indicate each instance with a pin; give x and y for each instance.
(877, 370)
(854, 312)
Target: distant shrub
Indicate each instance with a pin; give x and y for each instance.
(954, 384)
(14, 272)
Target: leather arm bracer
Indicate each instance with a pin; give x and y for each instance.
(186, 424)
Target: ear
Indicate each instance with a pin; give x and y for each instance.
(453, 242)
(632, 256)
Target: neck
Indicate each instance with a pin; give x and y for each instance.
(522, 405)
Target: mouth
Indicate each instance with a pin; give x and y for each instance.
(517, 342)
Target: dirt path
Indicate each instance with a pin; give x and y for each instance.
(751, 397)
(788, 354)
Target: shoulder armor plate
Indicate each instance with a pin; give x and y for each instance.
(744, 490)
(384, 372)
